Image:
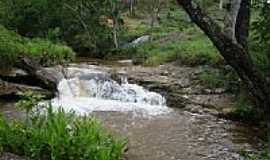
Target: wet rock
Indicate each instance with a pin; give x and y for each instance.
(181, 87)
(140, 40)
(127, 62)
(10, 90)
(10, 156)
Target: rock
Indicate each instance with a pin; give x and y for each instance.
(140, 40)
(126, 62)
(12, 89)
(10, 156)
(17, 72)
(181, 87)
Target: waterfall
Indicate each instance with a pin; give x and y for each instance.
(88, 90)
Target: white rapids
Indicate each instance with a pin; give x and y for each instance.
(91, 89)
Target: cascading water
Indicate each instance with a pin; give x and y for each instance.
(87, 90)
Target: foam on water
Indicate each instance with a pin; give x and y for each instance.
(86, 91)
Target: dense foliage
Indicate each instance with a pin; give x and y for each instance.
(59, 135)
(43, 51)
(261, 38)
(80, 23)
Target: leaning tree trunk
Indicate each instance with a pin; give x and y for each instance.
(235, 55)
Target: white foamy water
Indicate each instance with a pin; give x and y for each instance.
(89, 90)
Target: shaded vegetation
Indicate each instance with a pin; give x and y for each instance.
(260, 38)
(224, 78)
(81, 24)
(43, 51)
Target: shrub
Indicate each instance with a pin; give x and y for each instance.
(60, 135)
(81, 24)
(43, 51)
(260, 39)
(48, 53)
(224, 78)
(243, 108)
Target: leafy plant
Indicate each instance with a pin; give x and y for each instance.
(260, 39)
(60, 135)
(243, 108)
(28, 102)
(43, 51)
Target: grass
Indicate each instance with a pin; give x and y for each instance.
(174, 39)
(222, 78)
(43, 51)
(58, 136)
(189, 49)
(243, 108)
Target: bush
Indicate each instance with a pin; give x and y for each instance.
(225, 78)
(60, 135)
(79, 23)
(43, 51)
(243, 108)
(260, 39)
(48, 53)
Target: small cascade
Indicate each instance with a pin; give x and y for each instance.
(86, 90)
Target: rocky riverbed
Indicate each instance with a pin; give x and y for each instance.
(190, 130)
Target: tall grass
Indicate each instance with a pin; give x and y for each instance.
(43, 51)
(60, 136)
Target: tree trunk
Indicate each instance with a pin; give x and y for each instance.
(131, 7)
(237, 21)
(232, 9)
(221, 4)
(115, 23)
(152, 25)
(235, 55)
(115, 35)
(243, 23)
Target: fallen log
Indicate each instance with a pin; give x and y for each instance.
(9, 90)
(47, 80)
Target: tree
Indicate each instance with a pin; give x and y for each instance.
(115, 9)
(261, 39)
(237, 21)
(152, 8)
(78, 21)
(234, 52)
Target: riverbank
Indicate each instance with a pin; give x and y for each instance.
(190, 131)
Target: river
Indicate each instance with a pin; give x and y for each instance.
(154, 130)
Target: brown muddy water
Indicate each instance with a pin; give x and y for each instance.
(178, 135)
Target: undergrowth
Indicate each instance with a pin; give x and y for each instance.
(223, 78)
(174, 38)
(58, 136)
(43, 51)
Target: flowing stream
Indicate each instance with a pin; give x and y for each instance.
(154, 131)
(90, 90)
